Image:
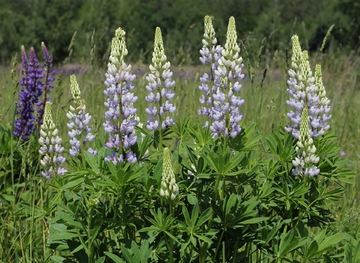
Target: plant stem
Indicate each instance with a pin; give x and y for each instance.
(171, 256)
(171, 241)
(123, 208)
(218, 245)
(90, 250)
(32, 213)
(82, 154)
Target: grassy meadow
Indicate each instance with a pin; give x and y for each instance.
(265, 105)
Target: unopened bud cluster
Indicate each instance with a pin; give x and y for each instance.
(50, 146)
(305, 162)
(160, 86)
(169, 188)
(80, 132)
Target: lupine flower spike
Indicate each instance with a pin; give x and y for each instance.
(49, 79)
(80, 132)
(29, 96)
(225, 111)
(307, 92)
(120, 122)
(209, 54)
(50, 146)
(169, 188)
(305, 162)
(324, 103)
(160, 88)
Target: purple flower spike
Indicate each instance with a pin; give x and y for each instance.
(31, 92)
(29, 96)
(160, 84)
(120, 119)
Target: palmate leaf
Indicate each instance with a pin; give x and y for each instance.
(192, 226)
(243, 141)
(122, 176)
(137, 254)
(290, 243)
(280, 144)
(202, 137)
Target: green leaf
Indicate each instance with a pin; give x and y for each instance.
(91, 161)
(69, 220)
(192, 199)
(61, 232)
(187, 217)
(204, 238)
(158, 171)
(100, 182)
(114, 257)
(112, 168)
(73, 183)
(331, 240)
(253, 220)
(101, 260)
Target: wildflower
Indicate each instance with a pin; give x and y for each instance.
(307, 92)
(305, 161)
(169, 188)
(209, 54)
(80, 132)
(50, 146)
(120, 123)
(342, 153)
(29, 96)
(160, 84)
(49, 73)
(323, 105)
(225, 110)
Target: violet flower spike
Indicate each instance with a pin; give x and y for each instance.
(29, 96)
(50, 146)
(120, 122)
(80, 131)
(160, 88)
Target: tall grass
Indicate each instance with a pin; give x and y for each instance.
(264, 104)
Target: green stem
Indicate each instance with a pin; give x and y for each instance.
(123, 208)
(171, 256)
(235, 249)
(161, 135)
(43, 225)
(32, 214)
(90, 250)
(171, 241)
(218, 245)
(217, 186)
(82, 154)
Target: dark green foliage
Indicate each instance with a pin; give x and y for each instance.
(28, 22)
